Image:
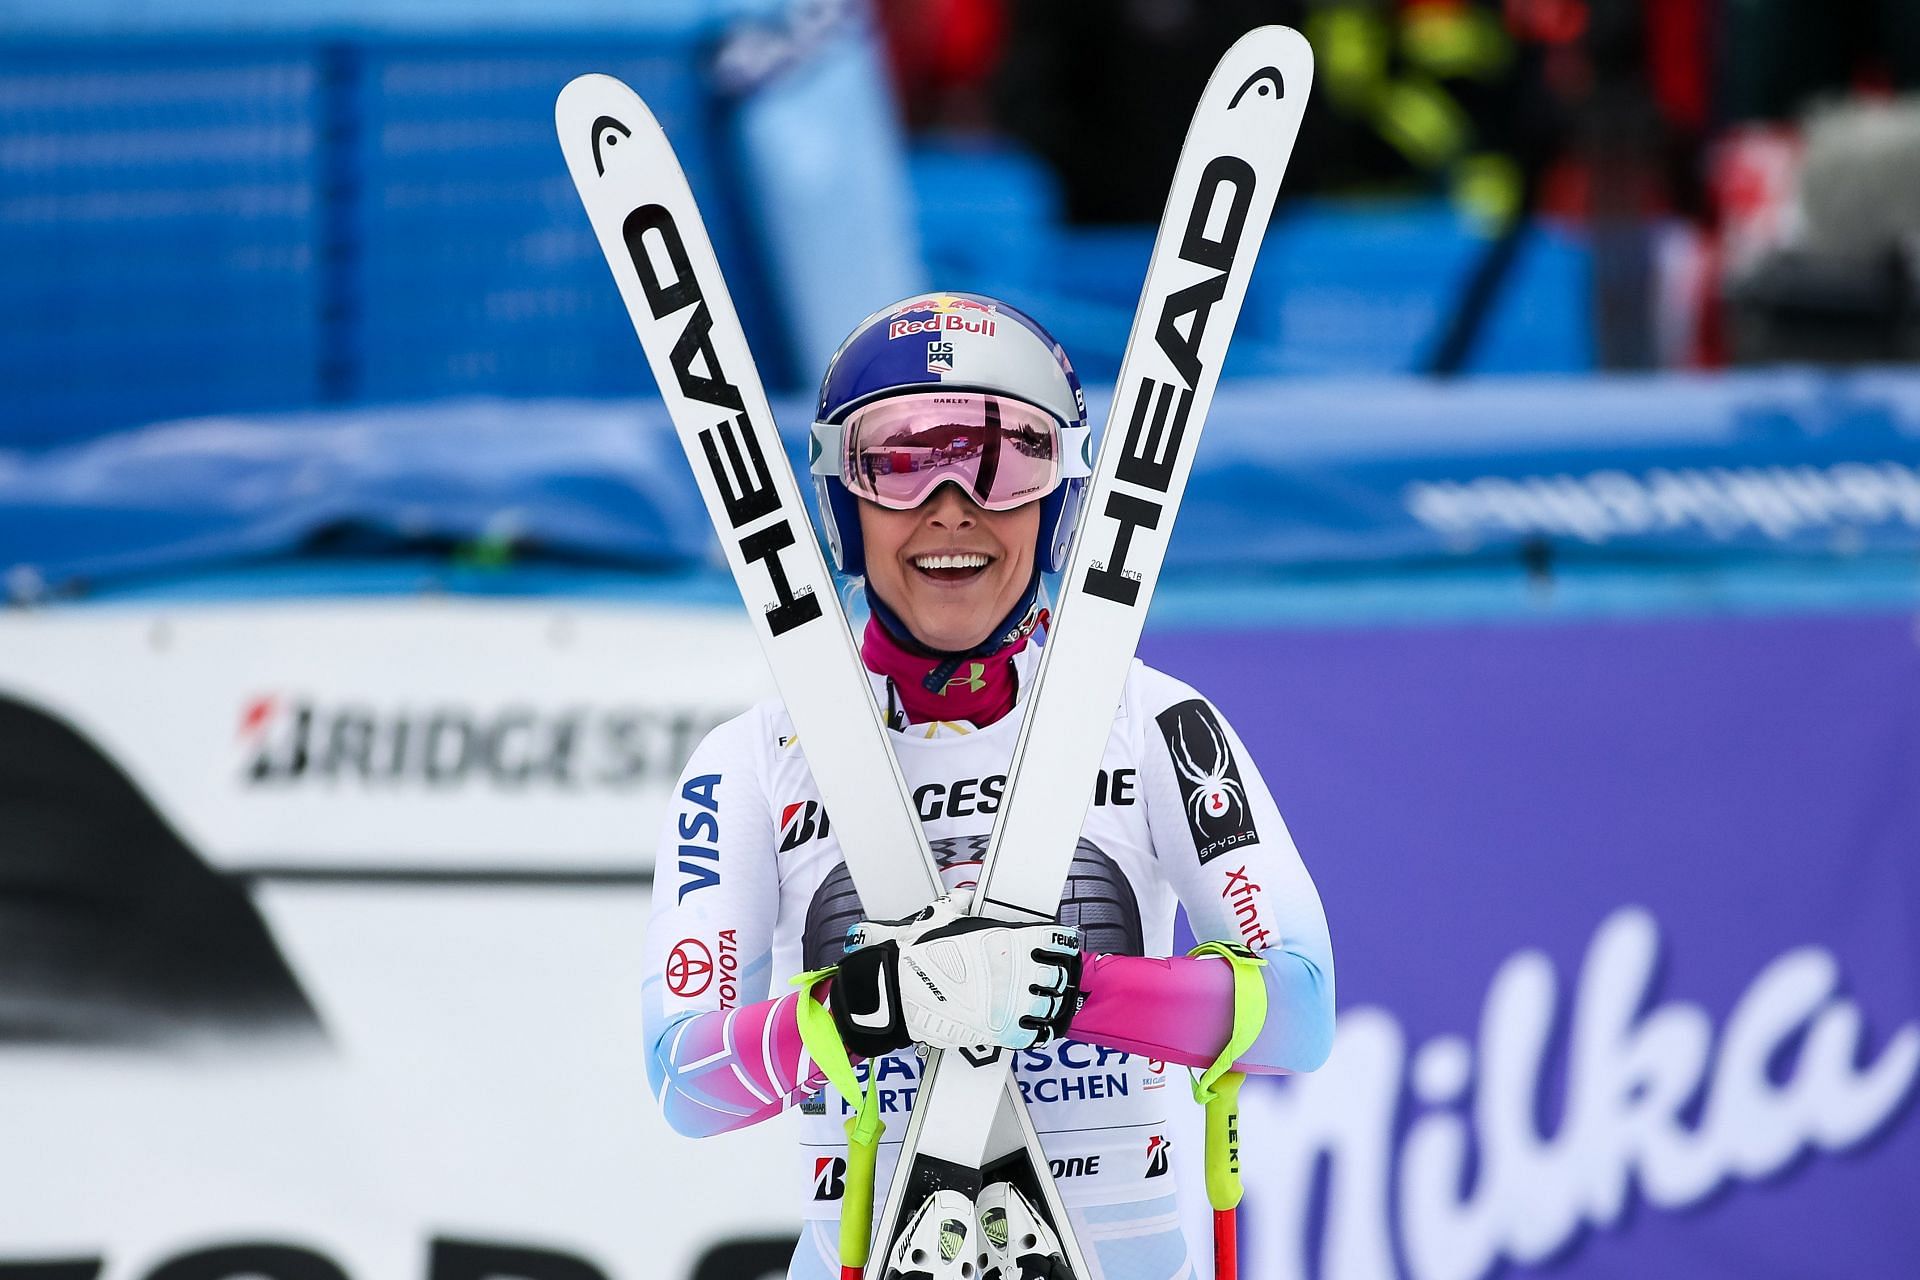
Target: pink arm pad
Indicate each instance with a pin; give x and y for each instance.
(729, 1068)
(1173, 1010)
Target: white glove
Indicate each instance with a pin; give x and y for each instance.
(949, 980)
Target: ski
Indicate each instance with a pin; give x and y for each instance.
(644, 215)
(650, 230)
(1223, 194)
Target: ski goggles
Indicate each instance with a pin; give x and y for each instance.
(1002, 452)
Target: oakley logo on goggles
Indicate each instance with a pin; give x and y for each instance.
(1002, 452)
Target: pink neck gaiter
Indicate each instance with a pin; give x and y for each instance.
(980, 691)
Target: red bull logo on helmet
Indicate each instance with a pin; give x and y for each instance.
(948, 323)
(950, 314)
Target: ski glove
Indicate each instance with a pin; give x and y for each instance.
(950, 980)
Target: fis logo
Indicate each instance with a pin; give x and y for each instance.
(939, 357)
(1157, 1148)
(1215, 798)
(829, 1177)
(800, 823)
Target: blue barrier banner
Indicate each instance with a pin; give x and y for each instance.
(1682, 466)
(598, 482)
(1294, 475)
(1624, 921)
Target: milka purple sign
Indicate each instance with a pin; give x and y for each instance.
(1626, 920)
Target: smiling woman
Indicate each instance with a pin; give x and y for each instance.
(951, 447)
(950, 450)
(948, 567)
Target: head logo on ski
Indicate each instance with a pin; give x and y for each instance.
(1258, 82)
(604, 131)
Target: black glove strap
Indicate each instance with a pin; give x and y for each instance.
(868, 987)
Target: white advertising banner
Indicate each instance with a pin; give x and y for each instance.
(455, 735)
(320, 945)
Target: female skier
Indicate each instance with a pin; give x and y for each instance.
(950, 460)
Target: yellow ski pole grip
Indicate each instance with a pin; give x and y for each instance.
(864, 1127)
(1218, 1088)
(1223, 1142)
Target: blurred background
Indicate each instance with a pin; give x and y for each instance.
(1553, 549)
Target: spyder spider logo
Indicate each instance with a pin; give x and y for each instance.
(1213, 792)
(1210, 785)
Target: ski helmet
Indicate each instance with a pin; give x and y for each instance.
(954, 343)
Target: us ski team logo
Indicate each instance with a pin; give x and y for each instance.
(939, 357)
(1215, 798)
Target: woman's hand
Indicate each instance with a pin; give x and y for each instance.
(950, 980)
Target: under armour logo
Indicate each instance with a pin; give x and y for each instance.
(973, 681)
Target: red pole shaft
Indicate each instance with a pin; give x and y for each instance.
(1226, 1245)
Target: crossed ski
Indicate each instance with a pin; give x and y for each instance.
(968, 1125)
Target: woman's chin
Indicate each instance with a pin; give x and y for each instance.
(948, 630)
(943, 640)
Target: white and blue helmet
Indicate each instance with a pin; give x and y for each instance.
(955, 342)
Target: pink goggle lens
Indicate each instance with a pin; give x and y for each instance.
(1002, 452)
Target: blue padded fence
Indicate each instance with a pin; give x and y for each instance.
(229, 225)
(1298, 480)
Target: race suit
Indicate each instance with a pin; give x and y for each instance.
(752, 889)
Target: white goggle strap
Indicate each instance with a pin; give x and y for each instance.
(823, 448)
(1076, 452)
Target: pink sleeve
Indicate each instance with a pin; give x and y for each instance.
(1175, 1010)
(729, 1068)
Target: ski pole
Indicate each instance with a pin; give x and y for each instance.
(1223, 1153)
(1218, 1089)
(822, 1039)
